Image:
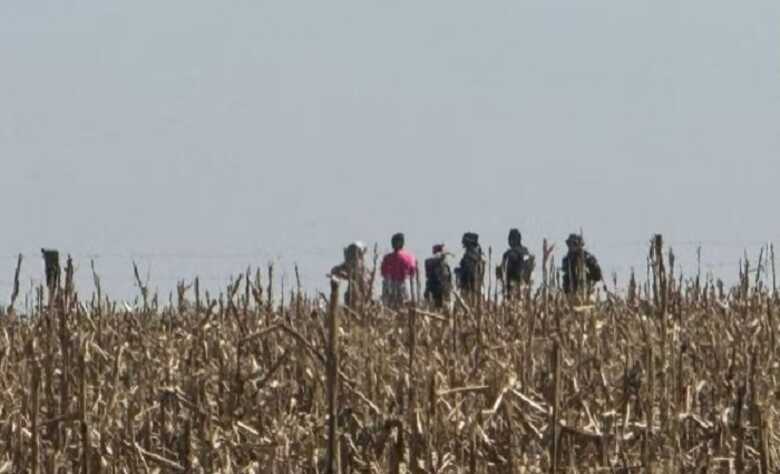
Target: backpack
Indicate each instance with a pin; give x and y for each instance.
(438, 276)
(519, 265)
(571, 276)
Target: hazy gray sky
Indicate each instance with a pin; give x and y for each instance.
(243, 131)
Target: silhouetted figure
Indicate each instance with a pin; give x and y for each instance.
(438, 277)
(471, 271)
(579, 267)
(517, 264)
(353, 270)
(51, 261)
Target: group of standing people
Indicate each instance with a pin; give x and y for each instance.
(399, 268)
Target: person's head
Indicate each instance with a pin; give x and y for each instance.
(398, 241)
(470, 240)
(575, 243)
(515, 238)
(438, 249)
(354, 251)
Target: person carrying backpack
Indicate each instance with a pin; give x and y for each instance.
(438, 277)
(471, 271)
(579, 267)
(517, 264)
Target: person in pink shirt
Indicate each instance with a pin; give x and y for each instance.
(397, 267)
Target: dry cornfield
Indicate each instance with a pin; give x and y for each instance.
(677, 376)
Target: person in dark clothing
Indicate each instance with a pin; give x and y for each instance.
(517, 264)
(438, 277)
(51, 260)
(579, 266)
(471, 271)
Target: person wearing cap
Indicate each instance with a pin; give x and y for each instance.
(517, 264)
(578, 259)
(438, 277)
(353, 270)
(398, 267)
(470, 273)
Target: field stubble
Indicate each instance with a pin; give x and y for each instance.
(677, 376)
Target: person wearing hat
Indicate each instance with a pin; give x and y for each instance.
(438, 277)
(353, 269)
(517, 264)
(398, 267)
(470, 273)
(578, 259)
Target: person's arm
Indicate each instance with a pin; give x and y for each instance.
(340, 271)
(530, 258)
(428, 275)
(594, 270)
(409, 265)
(528, 267)
(501, 269)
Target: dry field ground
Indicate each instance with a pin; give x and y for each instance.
(677, 376)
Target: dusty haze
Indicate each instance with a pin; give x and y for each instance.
(201, 137)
